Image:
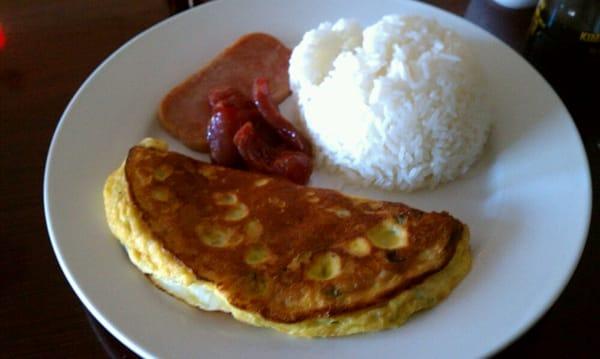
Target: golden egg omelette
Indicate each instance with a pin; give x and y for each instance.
(305, 261)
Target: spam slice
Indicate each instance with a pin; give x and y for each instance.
(304, 261)
(185, 111)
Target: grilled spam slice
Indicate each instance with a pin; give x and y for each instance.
(185, 111)
(306, 261)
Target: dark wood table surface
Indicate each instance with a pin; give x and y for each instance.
(50, 47)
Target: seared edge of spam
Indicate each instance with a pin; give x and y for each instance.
(171, 275)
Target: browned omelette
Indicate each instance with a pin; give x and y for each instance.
(279, 254)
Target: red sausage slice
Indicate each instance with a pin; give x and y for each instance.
(270, 112)
(230, 110)
(262, 157)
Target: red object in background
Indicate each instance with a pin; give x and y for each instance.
(2, 37)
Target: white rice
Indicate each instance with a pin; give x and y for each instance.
(398, 105)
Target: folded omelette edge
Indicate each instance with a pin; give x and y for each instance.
(169, 273)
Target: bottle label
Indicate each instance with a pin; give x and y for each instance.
(589, 37)
(548, 27)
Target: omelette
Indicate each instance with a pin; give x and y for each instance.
(305, 261)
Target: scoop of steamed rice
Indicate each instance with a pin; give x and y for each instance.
(399, 105)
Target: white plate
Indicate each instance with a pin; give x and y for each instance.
(527, 201)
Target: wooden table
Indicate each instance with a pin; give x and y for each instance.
(51, 47)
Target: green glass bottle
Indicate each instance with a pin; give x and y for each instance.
(564, 45)
(564, 25)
